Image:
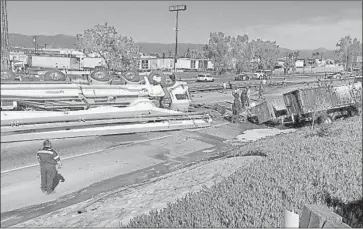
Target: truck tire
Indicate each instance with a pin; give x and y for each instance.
(157, 74)
(324, 119)
(132, 76)
(54, 75)
(100, 75)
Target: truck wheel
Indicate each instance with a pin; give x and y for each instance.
(325, 119)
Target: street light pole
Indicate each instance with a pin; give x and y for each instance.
(176, 8)
(176, 40)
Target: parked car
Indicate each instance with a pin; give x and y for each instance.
(244, 76)
(262, 74)
(205, 77)
(334, 75)
(258, 75)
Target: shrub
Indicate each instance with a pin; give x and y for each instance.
(297, 171)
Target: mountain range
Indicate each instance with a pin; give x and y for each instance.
(66, 41)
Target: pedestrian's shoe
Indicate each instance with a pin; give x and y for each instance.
(50, 192)
(61, 178)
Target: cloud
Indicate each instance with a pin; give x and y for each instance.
(309, 34)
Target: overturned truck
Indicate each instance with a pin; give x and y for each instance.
(57, 91)
(321, 104)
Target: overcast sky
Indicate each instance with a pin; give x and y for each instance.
(292, 24)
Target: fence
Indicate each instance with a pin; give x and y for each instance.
(311, 70)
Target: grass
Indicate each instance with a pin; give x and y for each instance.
(319, 166)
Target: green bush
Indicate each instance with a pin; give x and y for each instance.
(300, 168)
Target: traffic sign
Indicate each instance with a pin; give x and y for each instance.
(177, 7)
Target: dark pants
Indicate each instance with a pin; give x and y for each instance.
(244, 101)
(56, 180)
(48, 174)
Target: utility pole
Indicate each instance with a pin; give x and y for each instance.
(176, 8)
(5, 57)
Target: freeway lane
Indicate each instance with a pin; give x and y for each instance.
(23, 154)
(83, 171)
(96, 173)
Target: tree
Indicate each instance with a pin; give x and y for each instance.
(356, 49)
(170, 53)
(206, 52)
(157, 55)
(266, 53)
(240, 54)
(187, 53)
(219, 51)
(163, 56)
(118, 52)
(289, 62)
(348, 50)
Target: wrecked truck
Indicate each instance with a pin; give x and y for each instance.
(321, 104)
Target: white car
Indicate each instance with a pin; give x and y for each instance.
(205, 78)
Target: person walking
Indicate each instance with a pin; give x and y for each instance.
(260, 91)
(236, 108)
(48, 159)
(224, 88)
(235, 91)
(243, 98)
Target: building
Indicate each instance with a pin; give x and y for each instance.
(148, 63)
(300, 63)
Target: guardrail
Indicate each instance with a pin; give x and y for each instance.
(219, 86)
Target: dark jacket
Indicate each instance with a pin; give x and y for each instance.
(47, 156)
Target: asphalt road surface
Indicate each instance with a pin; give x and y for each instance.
(89, 161)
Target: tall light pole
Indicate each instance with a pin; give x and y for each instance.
(176, 8)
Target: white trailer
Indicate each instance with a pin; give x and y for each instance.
(165, 63)
(153, 64)
(55, 62)
(183, 63)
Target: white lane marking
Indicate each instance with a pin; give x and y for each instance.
(97, 151)
(102, 150)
